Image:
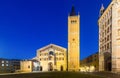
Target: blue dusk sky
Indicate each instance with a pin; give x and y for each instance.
(27, 25)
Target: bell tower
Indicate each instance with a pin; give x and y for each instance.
(73, 41)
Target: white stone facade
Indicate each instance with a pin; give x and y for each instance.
(109, 38)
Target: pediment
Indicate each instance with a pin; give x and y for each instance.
(52, 46)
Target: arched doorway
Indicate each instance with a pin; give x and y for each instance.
(41, 68)
(50, 66)
(61, 68)
(107, 62)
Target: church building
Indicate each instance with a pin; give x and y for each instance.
(73, 41)
(52, 58)
(109, 37)
(56, 58)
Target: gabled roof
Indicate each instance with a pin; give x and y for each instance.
(52, 46)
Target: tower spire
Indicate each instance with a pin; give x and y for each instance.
(102, 6)
(73, 13)
(101, 10)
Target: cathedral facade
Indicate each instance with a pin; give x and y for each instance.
(52, 58)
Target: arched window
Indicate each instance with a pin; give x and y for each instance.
(28, 66)
(50, 57)
(51, 53)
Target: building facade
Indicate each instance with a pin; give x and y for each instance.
(30, 66)
(15, 64)
(9, 65)
(109, 37)
(26, 66)
(73, 41)
(91, 63)
(52, 58)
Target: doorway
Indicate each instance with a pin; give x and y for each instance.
(61, 68)
(50, 66)
(107, 61)
(41, 68)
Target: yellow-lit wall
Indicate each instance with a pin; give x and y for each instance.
(73, 43)
(91, 63)
(26, 66)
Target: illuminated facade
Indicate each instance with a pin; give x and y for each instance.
(55, 58)
(91, 63)
(73, 41)
(26, 66)
(109, 37)
(52, 58)
(30, 66)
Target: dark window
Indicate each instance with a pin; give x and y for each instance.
(51, 53)
(73, 39)
(50, 58)
(56, 58)
(95, 66)
(28, 66)
(59, 58)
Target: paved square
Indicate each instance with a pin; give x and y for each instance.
(51, 75)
